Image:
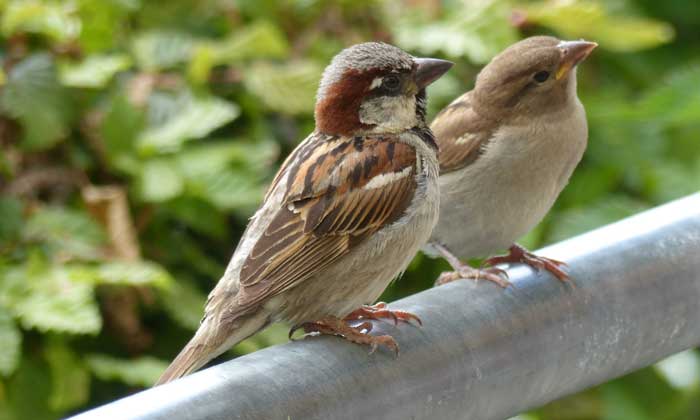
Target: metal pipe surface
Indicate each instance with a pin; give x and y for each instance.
(483, 352)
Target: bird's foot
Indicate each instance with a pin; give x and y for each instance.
(518, 254)
(463, 271)
(358, 334)
(380, 311)
(492, 274)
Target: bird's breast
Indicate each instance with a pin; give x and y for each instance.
(509, 189)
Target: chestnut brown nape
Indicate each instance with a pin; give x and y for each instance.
(338, 110)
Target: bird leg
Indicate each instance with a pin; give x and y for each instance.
(379, 311)
(518, 254)
(355, 334)
(464, 271)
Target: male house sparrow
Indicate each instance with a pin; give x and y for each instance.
(345, 214)
(507, 149)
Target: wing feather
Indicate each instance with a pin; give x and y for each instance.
(339, 192)
(461, 134)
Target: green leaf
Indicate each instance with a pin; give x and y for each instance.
(211, 157)
(675, 100)
(589, 184)
(624, 148)
(191, 118)
(70, 378)
(134, 273)
(94, 72)
(34, 96)
(11, 339)
(589, 19)
(49, 299)
(180, 249)
(642, 395)
(159, 50)
(189, 210)
(120, 130)
(259, 156)
(477, 32)
(11, 216)
(66, 233)
(227, 174)
(270, 336)
(28, 391)
(255, 41)
(51, 19)
(160, 180)
(215, 156)
(203, 59)
(184, 302)
(442, 93)
(102, 23)
(141, 371)
(586, 405)
(287, 88)
(5, 408)
(670, 180)
(578, 220)
(228, 190)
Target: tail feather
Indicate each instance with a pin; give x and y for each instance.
(191, 358)
(209, 342)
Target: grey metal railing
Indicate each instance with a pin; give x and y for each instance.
(483, 352)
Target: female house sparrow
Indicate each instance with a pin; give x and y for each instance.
(345, 214)
(507, 149)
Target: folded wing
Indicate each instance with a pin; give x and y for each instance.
(461, 134)
(340, 191)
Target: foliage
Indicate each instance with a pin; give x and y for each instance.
(137, 137)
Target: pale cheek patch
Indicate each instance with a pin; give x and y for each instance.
(389, 114)
(376, 82)
(384, 179)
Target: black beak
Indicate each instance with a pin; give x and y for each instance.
(429, 70)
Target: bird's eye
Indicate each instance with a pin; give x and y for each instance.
(391, 83)
(541, 76)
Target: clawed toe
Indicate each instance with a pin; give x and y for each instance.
(495, 275)
(492, 274)
(356, 334)
(378, 311)
(383, 340)
(447, 277)
(365, 327)
(518, 254)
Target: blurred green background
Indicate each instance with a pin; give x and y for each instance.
(137, 137)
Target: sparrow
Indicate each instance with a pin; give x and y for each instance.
(344, 215)
(507, 149)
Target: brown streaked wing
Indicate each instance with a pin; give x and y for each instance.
(343, 191)
(461, 134)
(302, 150)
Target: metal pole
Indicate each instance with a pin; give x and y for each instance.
(483, 352)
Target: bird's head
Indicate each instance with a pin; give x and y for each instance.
(534, 76)
(374, 88)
